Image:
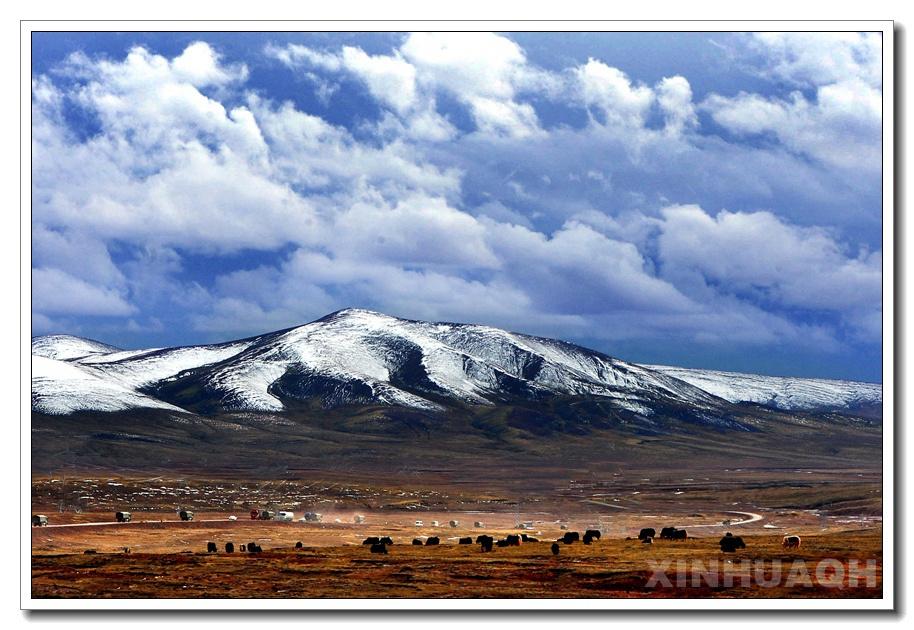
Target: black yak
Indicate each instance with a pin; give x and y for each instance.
(671, 533)
(730, 543)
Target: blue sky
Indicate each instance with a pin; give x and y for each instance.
(699, 199)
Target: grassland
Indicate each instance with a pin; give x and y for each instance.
(611, 568)
(813, 476)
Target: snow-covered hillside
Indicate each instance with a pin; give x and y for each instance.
(779, 392)
(60, 388)
(358, 357)
(64, 347)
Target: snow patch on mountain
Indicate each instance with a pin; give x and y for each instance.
(785, 393)
(60, 388)
(140, 368)
(63, 347)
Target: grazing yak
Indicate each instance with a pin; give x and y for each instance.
(671, 533)
(417, 541)
(791, 542)
(432, 540)
(254, 548)
(570, 537)
(587, 539)
(299, 545)
(647, 532)
(593, 533)
(379, 548)
(730, 543)
(210, 547)
(230, 547)
(371, 540)
(386, 540)
(485, 541)
(555, 549)
(466, 541)
(513, 540)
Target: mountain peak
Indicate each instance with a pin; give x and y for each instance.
(351, 311)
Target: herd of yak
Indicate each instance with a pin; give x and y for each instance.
(486, 542)
(378, 544)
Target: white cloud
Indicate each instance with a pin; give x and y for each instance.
(841, 125)
(758, 255)
(674, 96)
(841, 128)
(390, 79)
(608, 90)
(578, 269)
(418, 230)
(200, 65)
(296, 55)
(83, 255)
(555, 230)
(821, 58)
(57, 292)
(484, 71)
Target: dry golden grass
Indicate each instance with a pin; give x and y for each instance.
(611, 568)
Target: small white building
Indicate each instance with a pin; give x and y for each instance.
(454, 523)
(478, 524)
(358, 519)
(435, 523)
(419, 523)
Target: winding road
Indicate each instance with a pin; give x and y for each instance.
(752, 518)
(96, 524)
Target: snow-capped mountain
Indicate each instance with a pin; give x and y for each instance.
(779, 392)
(358, 357)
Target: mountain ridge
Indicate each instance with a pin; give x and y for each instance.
(361, 357)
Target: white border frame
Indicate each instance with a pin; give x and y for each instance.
(887, 602)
